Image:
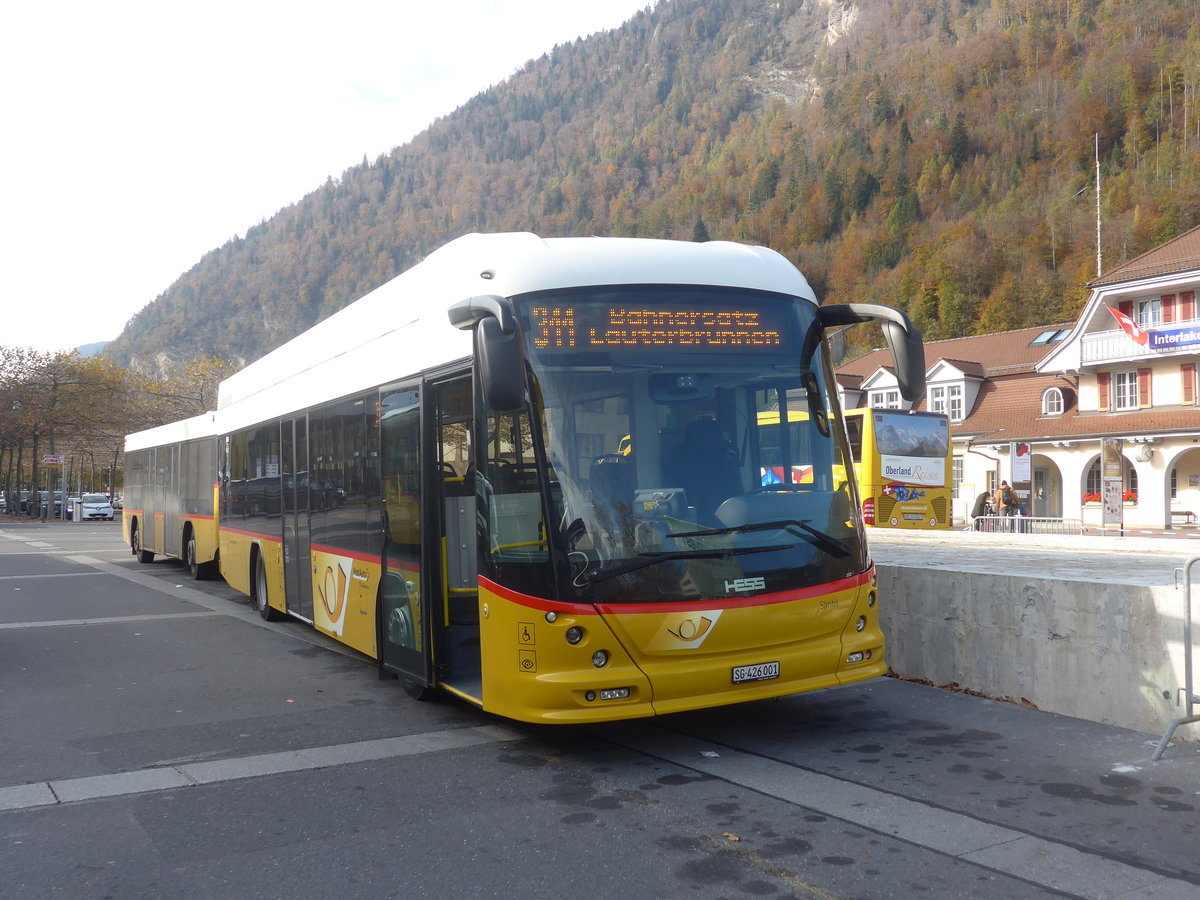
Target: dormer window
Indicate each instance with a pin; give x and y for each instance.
(1052, 402)
(948, 400)
(885, 399)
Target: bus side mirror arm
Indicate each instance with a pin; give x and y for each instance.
(903, 337)
(470, 312)
(498, 349)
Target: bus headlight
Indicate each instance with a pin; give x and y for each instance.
(574, 634)
(861, 623)
(600, 659)
(871, 598)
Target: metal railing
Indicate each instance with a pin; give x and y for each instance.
(1188, 692)
(1027, 525)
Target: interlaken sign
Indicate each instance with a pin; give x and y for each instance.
(1162, 339)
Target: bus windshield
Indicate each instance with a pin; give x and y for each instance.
(692, 445)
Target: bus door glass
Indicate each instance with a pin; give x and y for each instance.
(405, 609)
(297, 555)
(452, 490)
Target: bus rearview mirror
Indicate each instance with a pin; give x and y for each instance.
(903, 337)
(501, 365)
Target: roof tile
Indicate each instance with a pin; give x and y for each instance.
(1180, 254)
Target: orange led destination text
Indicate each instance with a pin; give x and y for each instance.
(656, 328)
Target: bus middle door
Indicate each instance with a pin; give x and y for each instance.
(297, 528)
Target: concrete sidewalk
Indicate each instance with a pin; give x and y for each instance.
(1108, 559)
(1068, 805)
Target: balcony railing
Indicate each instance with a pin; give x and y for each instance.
(1111, 346)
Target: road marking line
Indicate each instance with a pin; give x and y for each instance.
(141, 781)
(1045, 862)
(53, 575)
(107, 620)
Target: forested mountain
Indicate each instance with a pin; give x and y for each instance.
(932, 154)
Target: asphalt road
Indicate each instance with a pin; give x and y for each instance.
(160, 739)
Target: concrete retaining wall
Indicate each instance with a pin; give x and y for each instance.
(1110, 653)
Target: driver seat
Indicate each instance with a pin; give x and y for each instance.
(706, 465)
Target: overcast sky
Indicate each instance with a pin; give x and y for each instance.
(140, 135)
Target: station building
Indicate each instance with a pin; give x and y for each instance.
(1124, 371)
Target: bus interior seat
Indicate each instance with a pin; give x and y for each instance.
(706, 464)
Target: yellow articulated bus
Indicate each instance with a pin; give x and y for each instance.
(903, 463)
(529, 473)
(170, 499)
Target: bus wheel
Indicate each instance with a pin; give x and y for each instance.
(198, 571)
(135, 544)
(268, 612)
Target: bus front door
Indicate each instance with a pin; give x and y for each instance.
(453, 484)
(404, 605)
(429, 604)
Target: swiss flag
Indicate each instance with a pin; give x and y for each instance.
(1130, 327)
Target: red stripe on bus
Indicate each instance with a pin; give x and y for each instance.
(361, 557)
(187, 517)
(273, 538)
(816, 590)
(819, 590)
(577, 609)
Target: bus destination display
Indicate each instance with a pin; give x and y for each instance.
(608, 327)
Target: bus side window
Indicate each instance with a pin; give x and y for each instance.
(515, 506)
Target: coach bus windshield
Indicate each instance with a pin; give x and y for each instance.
(690, 448)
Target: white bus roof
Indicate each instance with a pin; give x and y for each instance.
(401, 328)
(201, 426)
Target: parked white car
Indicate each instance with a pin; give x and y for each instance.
(96, 506)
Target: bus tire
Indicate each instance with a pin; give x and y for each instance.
(198, 571)
(265, 609)
(135, 544)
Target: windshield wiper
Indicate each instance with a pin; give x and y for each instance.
(826, 541)
(650, 559)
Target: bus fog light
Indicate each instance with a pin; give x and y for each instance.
(615, 694)
(590, 696)
(600, 659)
(854, 658)
(574, 634)
(861, 623)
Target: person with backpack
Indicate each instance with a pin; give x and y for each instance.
(1007, 501)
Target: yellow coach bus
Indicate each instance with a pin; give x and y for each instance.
(170, 500)
(903, 464)
(529, 473)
